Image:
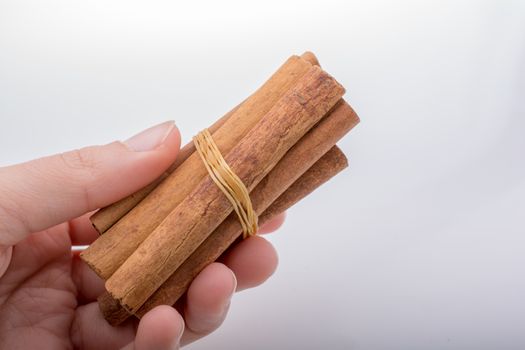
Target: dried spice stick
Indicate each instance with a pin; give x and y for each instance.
(186, 227)
(216, 244)
(294, 163)
(110, 250)
(325, 168)
(333, 162)
(104, 218)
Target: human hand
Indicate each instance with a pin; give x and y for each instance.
(48, 295)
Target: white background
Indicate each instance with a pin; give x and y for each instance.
(418, 245)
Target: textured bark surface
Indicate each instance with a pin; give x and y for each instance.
(325, 168)
(295, 162)
(106, 217)
(199, 213)
(111, 249)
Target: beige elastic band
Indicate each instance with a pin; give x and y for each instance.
(229, 183)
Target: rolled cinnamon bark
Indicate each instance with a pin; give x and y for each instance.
(325, 168)
(333, 162)
(110, 250)
(195, 218)
(104, 218)
(294, 163)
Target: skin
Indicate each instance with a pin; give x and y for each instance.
(48, 295)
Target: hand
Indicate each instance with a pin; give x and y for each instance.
(48, 295)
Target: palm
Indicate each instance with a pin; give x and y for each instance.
(38, 296)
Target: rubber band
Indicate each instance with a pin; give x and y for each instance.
(227, 181)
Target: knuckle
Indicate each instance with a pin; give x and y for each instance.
(83, 160)
(84, 168)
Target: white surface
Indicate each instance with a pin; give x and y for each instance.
(419, 245)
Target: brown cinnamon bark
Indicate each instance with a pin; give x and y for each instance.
(310, 57)
(325, 168)
(333, 162)
(330, 164)
(295, 162)
(190, 223)
(106, 217)
(110, 250)
(103, 219)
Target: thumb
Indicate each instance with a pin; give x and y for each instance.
(45, 192)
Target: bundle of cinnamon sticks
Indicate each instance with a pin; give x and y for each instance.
(280, 142)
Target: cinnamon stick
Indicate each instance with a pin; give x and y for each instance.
(330, 164)
(326, 167)
(190, 223)
(110, 250)
(333, 162)
(294, 163)
(104, 218)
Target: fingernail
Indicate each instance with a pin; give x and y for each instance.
(5, 258)
(181, 332)
(234, 284)
(151, 138)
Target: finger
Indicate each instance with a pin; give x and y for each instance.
(160, 329)
(273, 224)
(82, 231)
(253, 261)
(47, 191)
(207, 301)
(89, 285)
(90, 330)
